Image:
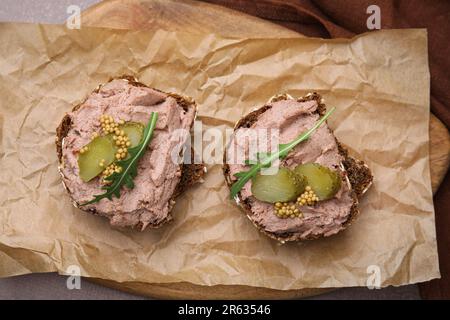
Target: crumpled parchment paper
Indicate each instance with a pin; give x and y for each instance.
(378, 81)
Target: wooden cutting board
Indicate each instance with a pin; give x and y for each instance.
(199, 17)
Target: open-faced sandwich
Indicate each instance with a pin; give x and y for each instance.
(116, 153)
(315, 190)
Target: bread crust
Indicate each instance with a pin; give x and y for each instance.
(359, 175)
(190, 173)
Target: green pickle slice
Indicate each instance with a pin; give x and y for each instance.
(324, 182)
(100, 148)
(283, 186)
(104, 148)
(134, 131)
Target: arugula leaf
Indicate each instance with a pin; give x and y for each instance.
(129, 165)
(266, 159)
(260, 156)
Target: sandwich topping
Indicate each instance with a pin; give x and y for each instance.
(292, 209)
(308, 195)
(266, 159)
(104, 146)
(291, 189)
(101, 154)
(124, 172)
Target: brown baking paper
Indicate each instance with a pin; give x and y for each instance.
(379, 83)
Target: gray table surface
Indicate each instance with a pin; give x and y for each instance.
(53, 286)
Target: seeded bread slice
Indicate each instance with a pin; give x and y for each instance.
(190, 173)
(358, 176)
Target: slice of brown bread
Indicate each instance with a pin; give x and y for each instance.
(358, 173)
(190, 173)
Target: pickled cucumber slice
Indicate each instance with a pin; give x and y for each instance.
(100, 148)
(134, 131)
(281, 187)
(324, 181)
(104, 148)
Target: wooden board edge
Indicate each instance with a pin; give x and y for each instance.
(189, 291)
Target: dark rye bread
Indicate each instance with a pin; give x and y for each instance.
(358, 174)
(190, 173)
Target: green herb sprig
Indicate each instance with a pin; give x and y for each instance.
(266, 159)
(129, 165)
